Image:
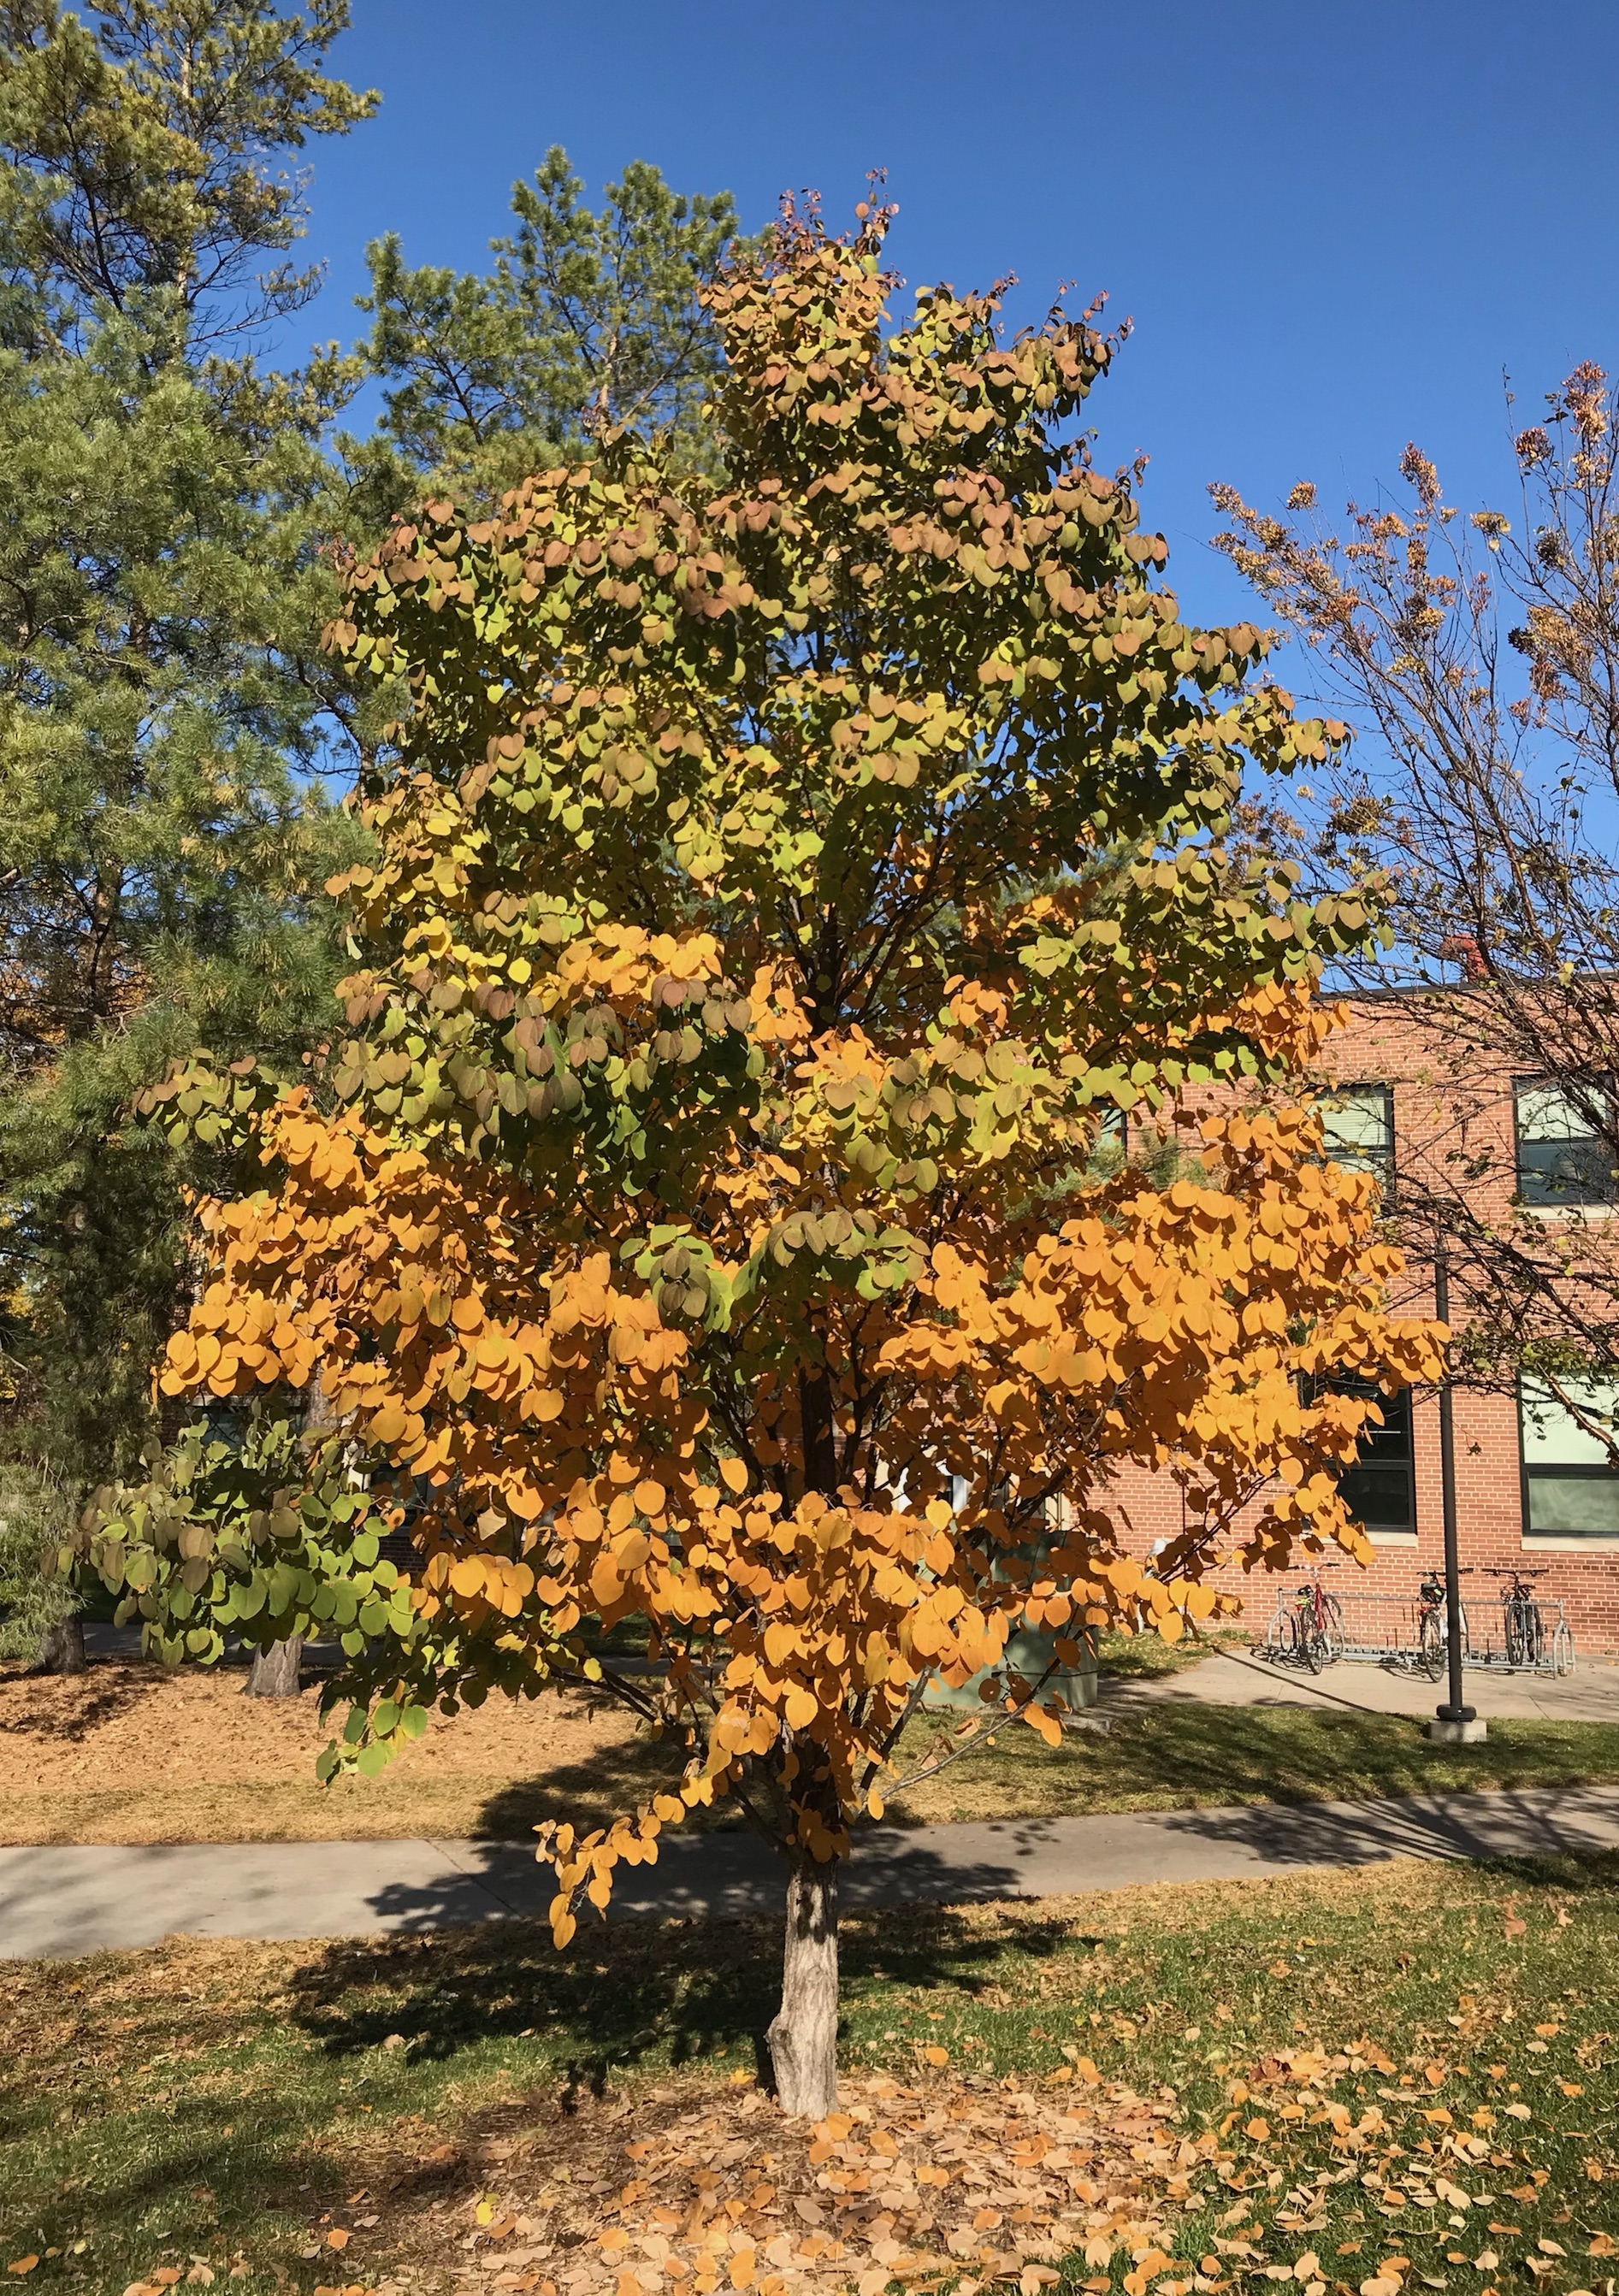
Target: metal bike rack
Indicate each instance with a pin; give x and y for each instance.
(1556, 1643)
(1383, 1630)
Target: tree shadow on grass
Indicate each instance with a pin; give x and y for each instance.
(591, 1792)
(1191, 1756)
(64, 1709)
(635, 1996)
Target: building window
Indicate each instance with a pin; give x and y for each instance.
(1357, 1127)
(1110, 1149)
(1380, 1489)
(1564, 1155)
(1571, 1485)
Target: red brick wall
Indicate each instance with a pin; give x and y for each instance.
(1442, 1106)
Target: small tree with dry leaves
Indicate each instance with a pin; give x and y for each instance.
(1481, 655)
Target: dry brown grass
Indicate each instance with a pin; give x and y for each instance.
(128, 1753)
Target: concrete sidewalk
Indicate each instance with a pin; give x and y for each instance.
(73, 1900)
(1240, 1677)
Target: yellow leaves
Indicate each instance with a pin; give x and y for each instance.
(782, 1642)
(801, 1708)
(388, 1425)
(606, 1583)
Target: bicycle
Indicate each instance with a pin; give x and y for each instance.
(1434, 1624)
(1315, 1624)
(1525, 1626)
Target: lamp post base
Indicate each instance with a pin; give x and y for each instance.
(1465, 1729)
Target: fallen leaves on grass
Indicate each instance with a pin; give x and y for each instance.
(968, 2182)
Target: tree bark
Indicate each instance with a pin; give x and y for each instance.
(819, 1440)
(274, 1672)
(61, 1650)
(803, 2036)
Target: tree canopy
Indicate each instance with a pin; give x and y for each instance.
(588, 323)
(785, 874)
(165, 845)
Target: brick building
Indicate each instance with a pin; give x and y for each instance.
(1534, 1490)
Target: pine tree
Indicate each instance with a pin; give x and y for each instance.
(588, 323)
(170, 510)
(163, 835)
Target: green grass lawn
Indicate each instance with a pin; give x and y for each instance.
(1186, 1756)
(201, 2107)
(1170, 1757)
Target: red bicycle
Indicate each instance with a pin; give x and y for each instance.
(1315, 1624)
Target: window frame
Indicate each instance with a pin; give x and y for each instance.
(1522, 1085)
(1369, 1390)
(1528, 1535)
(1384, 1164)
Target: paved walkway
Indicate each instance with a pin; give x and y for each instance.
(75, 1901)
(1237, 1678)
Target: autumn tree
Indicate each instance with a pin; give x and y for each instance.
(784, 876)
(1479, 653)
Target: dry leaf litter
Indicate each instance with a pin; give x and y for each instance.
(969, 2183)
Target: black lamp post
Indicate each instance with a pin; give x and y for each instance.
(1455, 1719)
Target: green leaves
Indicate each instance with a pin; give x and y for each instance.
(251, 1531)
(588, 322)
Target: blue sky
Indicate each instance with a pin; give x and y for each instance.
(1334, 223)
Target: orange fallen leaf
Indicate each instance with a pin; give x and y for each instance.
(337, 2237)
(935, 2055)
(23, 2264)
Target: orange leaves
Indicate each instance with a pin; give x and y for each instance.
(724, 1224)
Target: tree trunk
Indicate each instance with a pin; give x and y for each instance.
(61, 1650)
(274, 1672)
(820, 1442)
(803, 2036)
